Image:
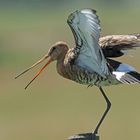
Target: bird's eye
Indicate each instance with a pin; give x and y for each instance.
(53, 48)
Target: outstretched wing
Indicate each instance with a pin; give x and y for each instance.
(117, 45)
(85, 26)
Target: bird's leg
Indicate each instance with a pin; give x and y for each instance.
(105, 113)
(93, 135)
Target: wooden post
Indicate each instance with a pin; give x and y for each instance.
(85, 136)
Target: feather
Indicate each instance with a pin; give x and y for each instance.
(124, 72)
(131, 77)
(85, 26)
(117, 45)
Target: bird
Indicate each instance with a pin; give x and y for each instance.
(90, 61)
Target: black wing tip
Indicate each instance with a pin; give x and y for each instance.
(134, 74)
(131, 77)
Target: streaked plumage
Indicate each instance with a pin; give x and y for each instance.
(89, 61)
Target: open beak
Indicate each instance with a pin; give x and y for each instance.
(38, 62)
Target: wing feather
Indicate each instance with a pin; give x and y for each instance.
(85, 26)
(117, 45)
(124, 73)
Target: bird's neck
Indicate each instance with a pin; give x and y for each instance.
(61, 69)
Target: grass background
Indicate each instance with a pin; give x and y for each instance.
(54, 107)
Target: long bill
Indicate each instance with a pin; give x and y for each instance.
(38, 62)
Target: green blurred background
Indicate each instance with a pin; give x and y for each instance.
(53, 107)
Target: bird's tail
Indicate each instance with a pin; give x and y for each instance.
(124, 72)
(132, 77)
(116, 45)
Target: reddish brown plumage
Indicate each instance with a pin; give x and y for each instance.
(112, 46)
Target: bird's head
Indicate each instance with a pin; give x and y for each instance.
(56, 52)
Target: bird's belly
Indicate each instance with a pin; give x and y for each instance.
(82, 76)
(96, 80)
(92, 78)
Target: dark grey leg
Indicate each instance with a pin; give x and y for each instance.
(105, 113)
(94, 134)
